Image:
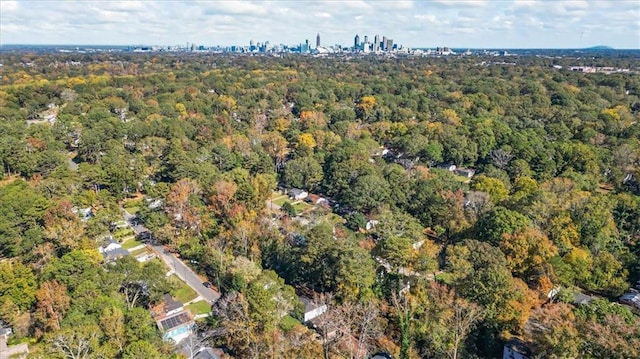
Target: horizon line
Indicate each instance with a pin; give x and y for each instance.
(603, 47)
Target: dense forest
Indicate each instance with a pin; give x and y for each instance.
(412, 258)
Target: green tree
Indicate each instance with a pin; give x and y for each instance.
(17, 284)
(303, 172)
(140, 284)
(493, 186)
(498, 222)
(367, 193)
(141, 349)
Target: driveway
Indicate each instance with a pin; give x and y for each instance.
(175, 264)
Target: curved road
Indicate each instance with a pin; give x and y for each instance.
(175, 264)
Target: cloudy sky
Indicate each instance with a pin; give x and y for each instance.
(417, 23)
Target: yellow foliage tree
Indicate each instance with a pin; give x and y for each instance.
(527, 252)
(306, 140)
(182, 109)
(451, 117)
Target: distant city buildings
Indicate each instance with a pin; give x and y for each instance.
(381, 45)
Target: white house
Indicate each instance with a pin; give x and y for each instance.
(112, 250)
(311, 309)
(298, 194)
(515, 349)
(371, 224)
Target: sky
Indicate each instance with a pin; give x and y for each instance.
(417, 23)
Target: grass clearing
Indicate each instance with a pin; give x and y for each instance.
(131, 243)
(200, 307)
(182, 291)
(301, 207)
(336, 219)
(288, 322)
(133, 210)
(462, 179)
(281, 200)
(276, 194)
(121, 233)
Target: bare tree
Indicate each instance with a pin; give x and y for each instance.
(465, 317)
(404, 312)
(500, 158)
(75, 343)
(357, 327)
(197, 340)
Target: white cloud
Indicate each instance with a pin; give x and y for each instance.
(462, 23)
(8, 6)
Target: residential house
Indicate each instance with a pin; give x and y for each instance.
(13, 351)
(465, 172)
(631, 299)
(317, 200)
(154, 203)
(312, 310)
(172, 319)
(209, 353)
(298, 194)
(84, 213)
(112, 251)
(371, 224)
(516, 349)
(581, 298)
(171, 306)
(447, 167)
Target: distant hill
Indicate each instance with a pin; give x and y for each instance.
(600, 47)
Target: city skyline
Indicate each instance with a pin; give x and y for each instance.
(457, 24)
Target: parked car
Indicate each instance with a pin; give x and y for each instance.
(145, 236)
(206, 284)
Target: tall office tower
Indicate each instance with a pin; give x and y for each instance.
(376, 43)
(383, 46)
(366, 39)
(356, 43)
(318, 40)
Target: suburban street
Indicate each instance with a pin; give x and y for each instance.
(175, 264)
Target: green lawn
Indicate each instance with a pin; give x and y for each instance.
(182, 291)
(133, 210)
(281, 200)
(462, 179)
(336, 219)
(288, 322)
(131, 204)
(123, 232)
(131, 243)
(201, 307)
(445, 278)
(301, 207)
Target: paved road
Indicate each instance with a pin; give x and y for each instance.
(175, 264)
